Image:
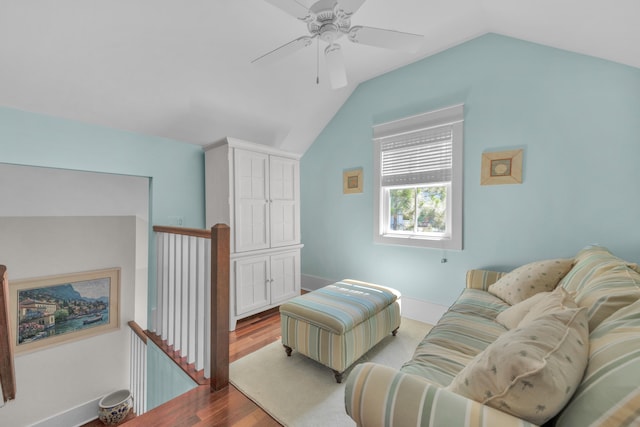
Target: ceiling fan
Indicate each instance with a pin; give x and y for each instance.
(329, 20)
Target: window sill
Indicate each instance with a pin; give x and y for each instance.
(421, 242)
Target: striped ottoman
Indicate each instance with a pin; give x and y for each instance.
(337, 324)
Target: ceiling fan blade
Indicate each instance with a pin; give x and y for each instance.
(350, 6)
(292, 7)
(335, 66)
(389, 39)
(284, 50)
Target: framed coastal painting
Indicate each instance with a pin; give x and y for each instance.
(52, 310)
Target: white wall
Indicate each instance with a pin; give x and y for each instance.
(53, 222)
(52, 380)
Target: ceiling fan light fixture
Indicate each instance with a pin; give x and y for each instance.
(329, 33)
(335, 66)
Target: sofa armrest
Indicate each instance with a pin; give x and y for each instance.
(377, 395)
(482, 279)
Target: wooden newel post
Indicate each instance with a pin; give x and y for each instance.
(7, 369)
(220, 248)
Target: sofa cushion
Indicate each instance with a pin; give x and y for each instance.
(466, 329)
(479, 304)
(609, 394)
(602, 282)
(530, 279)
(591, 262)
(530, 372)
(607, 293)
(533, 307)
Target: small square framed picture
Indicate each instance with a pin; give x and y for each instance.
(503, 167)
(352, 181)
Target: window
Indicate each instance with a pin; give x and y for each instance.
(418, 170)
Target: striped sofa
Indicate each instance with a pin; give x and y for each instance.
(604, 297)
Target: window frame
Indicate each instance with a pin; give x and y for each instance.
(386, 210)
(451, 116)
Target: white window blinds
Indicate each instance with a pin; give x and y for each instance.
(417, 149)
(421, 157)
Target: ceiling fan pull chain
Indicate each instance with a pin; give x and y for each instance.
(318, 61)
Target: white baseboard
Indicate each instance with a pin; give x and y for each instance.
(78, 416)
(412, 308)
(422, 311)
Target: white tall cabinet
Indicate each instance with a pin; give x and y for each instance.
(256, 190)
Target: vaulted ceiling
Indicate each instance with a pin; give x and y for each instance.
(182, 69)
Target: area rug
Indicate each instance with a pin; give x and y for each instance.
(300, 392)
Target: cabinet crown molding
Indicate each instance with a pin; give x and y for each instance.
(240, 143)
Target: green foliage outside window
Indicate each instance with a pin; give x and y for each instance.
(428, 204)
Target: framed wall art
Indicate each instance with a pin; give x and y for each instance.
(57, 309)
(352, 181)
(503, 167)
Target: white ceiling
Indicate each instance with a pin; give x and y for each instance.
(181, 69)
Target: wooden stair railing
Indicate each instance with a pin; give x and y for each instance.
(7, 368)
(170, 333)
(220, 270)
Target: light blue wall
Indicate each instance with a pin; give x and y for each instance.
(176, 168)
(165, 380)
(577, 119)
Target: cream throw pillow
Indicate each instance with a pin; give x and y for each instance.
(530, 279)
(510, 317)
(535, 306)
(530, 372)
(557, 300)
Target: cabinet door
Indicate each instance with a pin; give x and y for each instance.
(285, 276)
(252, 281)
(251, 192)
(284, 205)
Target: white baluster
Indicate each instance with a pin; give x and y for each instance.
(183, 312)
(207, 311)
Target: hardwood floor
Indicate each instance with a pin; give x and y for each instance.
(228, 407)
